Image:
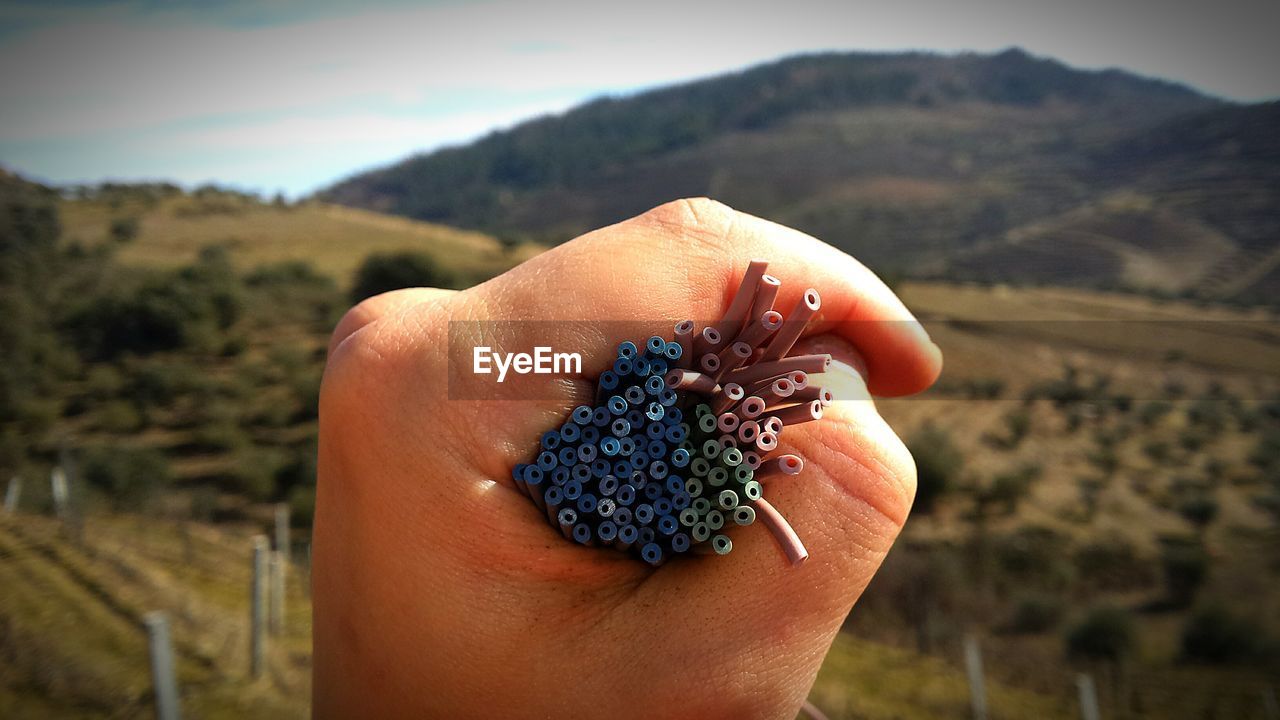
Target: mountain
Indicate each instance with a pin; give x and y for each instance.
(1000, 167)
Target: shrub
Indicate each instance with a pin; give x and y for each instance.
(985, 388)
(973, 388)
(1105, 459)
(160, 311)
(120, 417)
(253, 472)
(130, 478)
(1152, 412)
(204, 503)
(220, 435)
(1105, 633)
(302, 506)
(920, 584)
(1157, 450)
(158, 384)
(306, 389)
(1266, 451)
(1199, 510)
(1209, 414)
(1193, 439)
(1074, 418)
(1008, 488)
(1018, 423)
(1064, 391)
(938, 463)
(1034, 556)
(123, 230)
(381, 272)
(1034, 613)
(298, 469)
(1111, 563)
(1016, 426)
(1185, 564)
(1090, 489)
(1213, 635)
(294, 291)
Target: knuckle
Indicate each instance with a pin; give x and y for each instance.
(699, 225)
(359, 315)
(697, 215)
(373, 361)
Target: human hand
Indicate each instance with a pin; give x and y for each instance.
(440, 591)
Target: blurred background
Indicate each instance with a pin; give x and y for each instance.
(1079, 199)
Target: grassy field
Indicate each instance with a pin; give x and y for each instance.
(333, 239)
(1091, 428)
(1086, 432)
(71, 620)
(1021, 337)
(75, 645)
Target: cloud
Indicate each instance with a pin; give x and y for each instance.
(396, 79)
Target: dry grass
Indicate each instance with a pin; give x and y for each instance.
(72, 617)
(862, 679)
(333, 239)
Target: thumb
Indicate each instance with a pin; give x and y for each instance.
(848, 505)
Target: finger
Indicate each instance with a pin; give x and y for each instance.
(848, 382)
(373, 308)
(848, 506)
(684, 259)
(854, 493)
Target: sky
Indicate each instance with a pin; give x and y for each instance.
(291, 95)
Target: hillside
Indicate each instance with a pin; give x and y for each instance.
(169, 228)
(1069, 485)
(1004, 167)
(74, 646)
(1084, 452)
(173, 341)
(71, 621)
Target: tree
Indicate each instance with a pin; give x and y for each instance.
(1105, 633)
(1199, 510)
(382, 272)
(1214, 635)
(124, 229)
(1185, 565)
(938, 463)
(129, 477)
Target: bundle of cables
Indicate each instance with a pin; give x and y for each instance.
(679, 446)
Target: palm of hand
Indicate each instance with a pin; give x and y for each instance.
(440, 590)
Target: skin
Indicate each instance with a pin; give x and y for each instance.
(441, 591)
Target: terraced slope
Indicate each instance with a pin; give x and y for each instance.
(72, 643)
(171, 232)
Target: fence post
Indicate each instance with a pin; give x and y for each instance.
(977, 685)
(282, 530)
(257, 607)
(1088, 697)
(276, 593)
(279, 568)
(58, 486)
(306, 585)
(12, 494)
(1270, 709)
(162, 668)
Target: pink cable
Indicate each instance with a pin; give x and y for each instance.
(811, 364)
(782, 532)
(783, 466)
(731, 324)
(783, 340)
